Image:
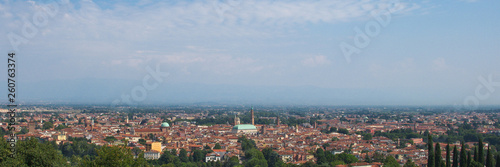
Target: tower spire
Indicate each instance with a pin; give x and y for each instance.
(253, 119)
(278, 120)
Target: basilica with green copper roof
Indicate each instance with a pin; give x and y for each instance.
(244, 128)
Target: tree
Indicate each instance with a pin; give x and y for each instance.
(217, 146)
(476, 164)
(47, 125)
(115, 156)
(489, 159)
(337, 162)
(169, 157)
(426, 133)
(60, 126)
(23, 131)
(198, 156)
(438, 158)
(326, 145)
(255, 158)
(448, 161)
(233, 161)
(183, 155)
(463, 156)
(469, 158)
(136, 151)
(347, 158)
(79, 147)
(480, 153)
(110, 139)
(455, 157)
(272, 158)
(142, 141)
(498, 161)
(390, 161)
(344, 131)
(151, 137)
(475, 154)
(367, 136)
(320, 156)
(246, 144)
(409, 163)
(30, 153)
(430, 159)
(378, 157)
(368, 159)
(144, 121)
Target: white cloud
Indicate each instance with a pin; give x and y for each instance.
(125, 21)
(185, 34)
(439, 64)
(407, 64)
(316, 61)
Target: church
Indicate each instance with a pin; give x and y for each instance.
(244, 128)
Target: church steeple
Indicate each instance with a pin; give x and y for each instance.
(236, 120)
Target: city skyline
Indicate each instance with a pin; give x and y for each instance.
(297, 136)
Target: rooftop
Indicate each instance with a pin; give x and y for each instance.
(245, 127)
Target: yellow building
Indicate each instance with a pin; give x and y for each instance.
(156, 146)
(59, 137)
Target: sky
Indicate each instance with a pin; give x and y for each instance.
(331, 52)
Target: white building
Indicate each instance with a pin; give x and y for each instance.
(152, 155)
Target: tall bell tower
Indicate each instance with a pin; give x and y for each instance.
(253, 119)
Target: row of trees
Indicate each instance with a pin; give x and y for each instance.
(326, 158)
(32, 152)
(462, 159)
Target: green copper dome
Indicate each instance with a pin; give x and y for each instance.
(165, 125)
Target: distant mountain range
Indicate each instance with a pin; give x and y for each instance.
(104, 91)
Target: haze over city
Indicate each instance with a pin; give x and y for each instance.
(256, 52)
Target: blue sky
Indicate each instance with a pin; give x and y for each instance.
(430, 52)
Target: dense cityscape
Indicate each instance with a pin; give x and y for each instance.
(218, 135)
(250, 83)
